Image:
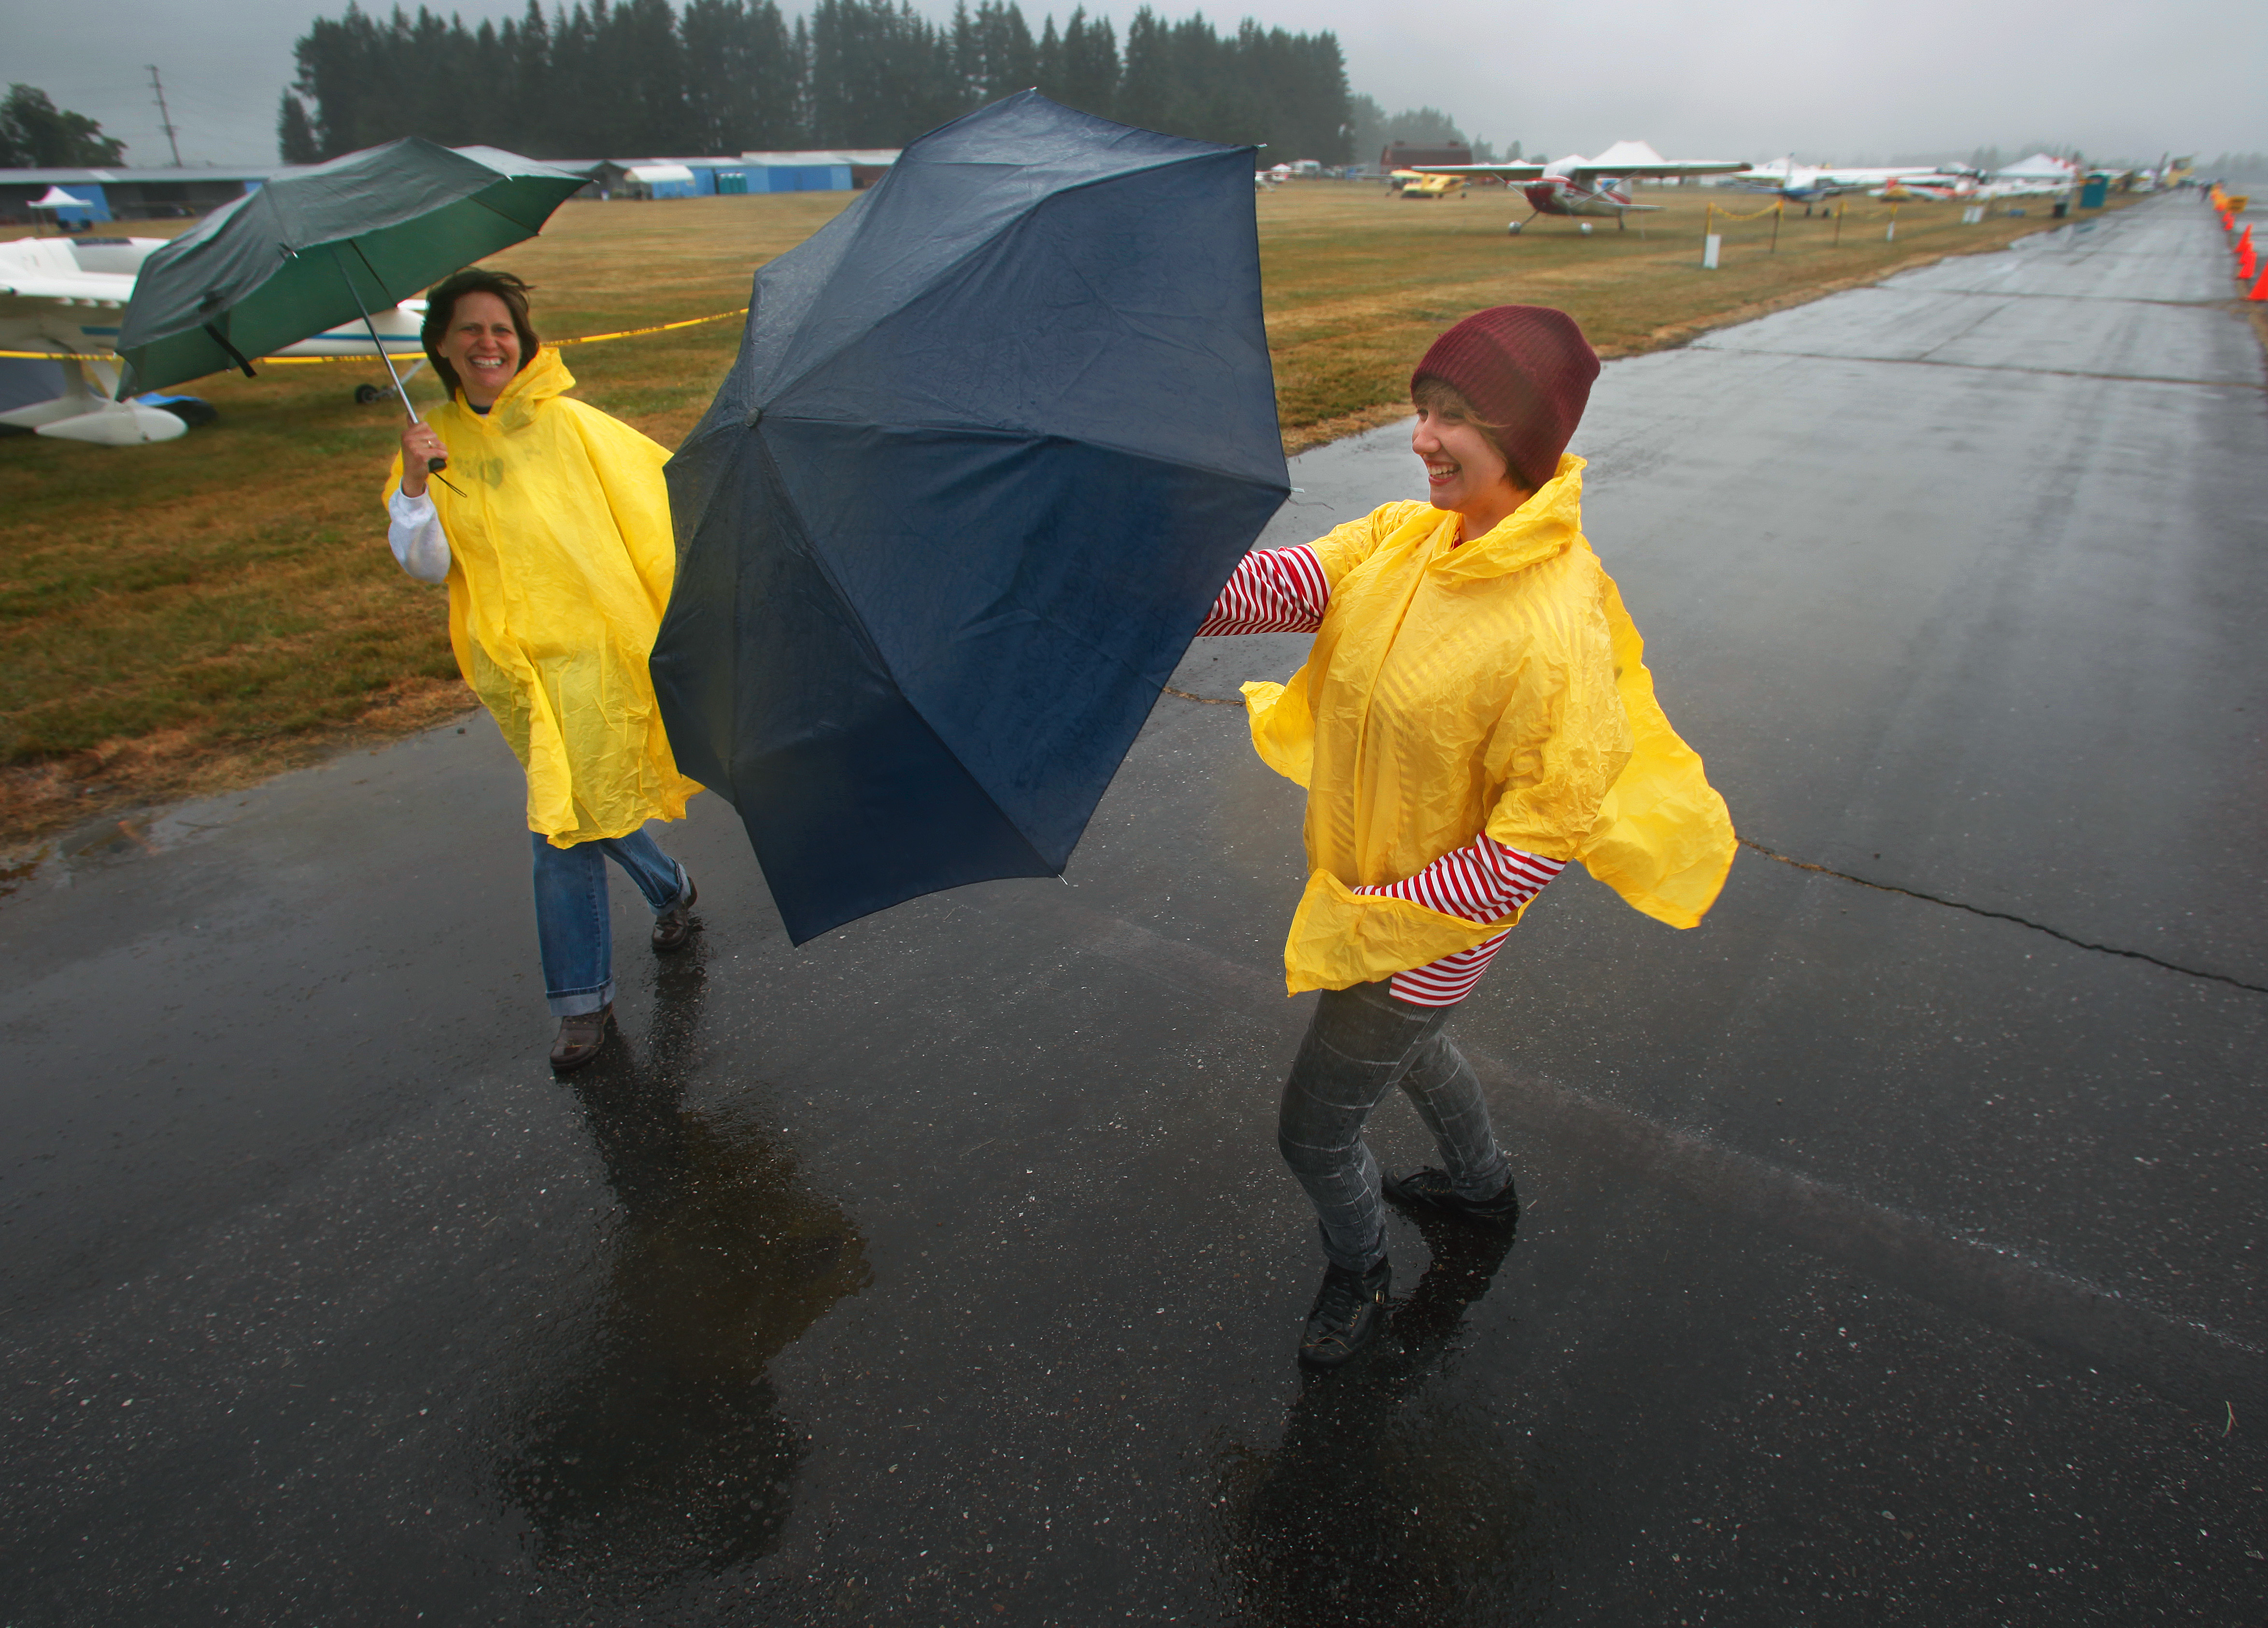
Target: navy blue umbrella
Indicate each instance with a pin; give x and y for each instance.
(997, 435)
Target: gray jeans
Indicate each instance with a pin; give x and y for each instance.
(1362, 1043)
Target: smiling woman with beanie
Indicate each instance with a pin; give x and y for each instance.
(1475, 715)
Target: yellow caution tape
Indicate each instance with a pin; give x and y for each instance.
(632, 333)
(1721, 213)
(287, 361)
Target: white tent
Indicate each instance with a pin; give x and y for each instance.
(2040, 166)
(56, 198)
(1637, 155)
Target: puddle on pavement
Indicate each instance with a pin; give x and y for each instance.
(652, 1449)
(118, 838)
(1381, 1503)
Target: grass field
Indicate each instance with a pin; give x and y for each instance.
(177, 618)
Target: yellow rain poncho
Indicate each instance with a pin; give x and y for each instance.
(1496, 686)
(561, 558)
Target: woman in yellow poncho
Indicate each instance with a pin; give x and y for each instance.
(550, 524)
(1474, 715)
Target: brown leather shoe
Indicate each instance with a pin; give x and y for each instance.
(581, 1038)
(675, 926)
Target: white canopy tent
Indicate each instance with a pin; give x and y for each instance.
(2039, 167)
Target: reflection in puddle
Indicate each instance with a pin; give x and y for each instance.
(653, 1449)
(1380, 1507)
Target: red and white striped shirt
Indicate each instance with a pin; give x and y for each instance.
(1484, 881)
(1273, 591)
(1285, 591)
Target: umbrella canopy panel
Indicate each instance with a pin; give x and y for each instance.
(249, 280)
(996, 437)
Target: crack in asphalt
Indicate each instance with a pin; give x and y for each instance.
(1916, 893)
(1989, 367)
(2185, 1360)
(2021, 921)
(2102, 299)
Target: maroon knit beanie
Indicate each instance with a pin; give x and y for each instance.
(1527, 372)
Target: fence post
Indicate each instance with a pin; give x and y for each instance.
(1778, 209)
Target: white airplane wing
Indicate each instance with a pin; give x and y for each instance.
(1876, 175)
(1660, 169)
(1501, 172)
(46, 268)
(94, 287)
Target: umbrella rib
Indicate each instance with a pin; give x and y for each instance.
(482, 202)
(844, 598)
(378, 282)
(960, 262)
(355, 242)
(936, 280)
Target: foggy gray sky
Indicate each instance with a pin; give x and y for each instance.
(1840, 80)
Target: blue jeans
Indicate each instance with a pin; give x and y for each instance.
(571, 920)
(1361, 1044)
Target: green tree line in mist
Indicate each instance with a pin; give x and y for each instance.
(641, 77)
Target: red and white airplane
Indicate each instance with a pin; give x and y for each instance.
(1576, 185)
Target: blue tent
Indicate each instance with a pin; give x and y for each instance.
(997, 435)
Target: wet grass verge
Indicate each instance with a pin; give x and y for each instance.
(180, 618)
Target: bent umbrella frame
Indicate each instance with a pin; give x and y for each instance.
(995, 438)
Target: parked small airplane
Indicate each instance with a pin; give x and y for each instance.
(1427, 184)
(1813, 183)
(1925, 189)
(73, 399)
(1576, 185)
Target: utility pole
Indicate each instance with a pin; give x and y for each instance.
(164, 118)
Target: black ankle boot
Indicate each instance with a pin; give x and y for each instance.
(1429, 1189)
(1348, 1311)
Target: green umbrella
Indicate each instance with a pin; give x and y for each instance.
(316, 248)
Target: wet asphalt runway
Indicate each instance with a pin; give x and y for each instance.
(1892, 1247)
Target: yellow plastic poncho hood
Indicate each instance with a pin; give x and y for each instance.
(561, 559)
(1497, 687)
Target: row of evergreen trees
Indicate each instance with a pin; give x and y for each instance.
(639, 78)
(37, 135)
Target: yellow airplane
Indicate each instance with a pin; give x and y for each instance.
(1420, 184)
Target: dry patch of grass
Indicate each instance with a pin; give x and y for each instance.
(180, 618)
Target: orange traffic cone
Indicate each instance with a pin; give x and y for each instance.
(2245, 241)
(2260, 289)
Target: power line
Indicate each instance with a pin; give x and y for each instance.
(164, 118)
